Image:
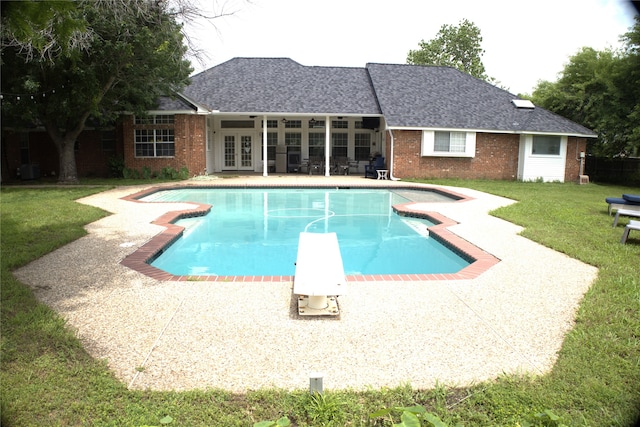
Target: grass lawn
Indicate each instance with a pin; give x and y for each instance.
(47, 378)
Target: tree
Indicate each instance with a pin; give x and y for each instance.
(43, 30)
(629, 81)
(601, 90)
(131, 53)
(458, 47)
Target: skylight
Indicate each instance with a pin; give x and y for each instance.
(523, 103)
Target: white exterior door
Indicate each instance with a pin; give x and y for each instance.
(237, 151)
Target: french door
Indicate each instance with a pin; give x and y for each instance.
(237, 151)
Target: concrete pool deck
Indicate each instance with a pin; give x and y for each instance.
(241, 335)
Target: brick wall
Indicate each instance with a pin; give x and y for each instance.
(572, 168)
(91, 159)
(496, 158)
(190, 145)
(41, 152)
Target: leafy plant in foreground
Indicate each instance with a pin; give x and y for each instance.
(282, 422)
(410, 416)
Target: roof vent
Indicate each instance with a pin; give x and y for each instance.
(523, 103)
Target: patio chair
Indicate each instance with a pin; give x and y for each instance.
(371, 170)
(304, 165)
(316, 165)
(353, 164)
(341, 166)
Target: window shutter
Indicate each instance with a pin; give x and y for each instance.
(428, 139)
(471, 144)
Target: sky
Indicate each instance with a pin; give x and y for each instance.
(524, 41)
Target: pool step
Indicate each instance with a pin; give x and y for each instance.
(417, 225)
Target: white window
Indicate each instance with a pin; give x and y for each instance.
(154, 143)
(153, 136)
(316, 124)
(316, 144)
(163, 119)
(293, 139)
(363, 146)
(272, 141)
(108, 140)
(448, 144)
(546, 145)
(340, 142)
(293, 124)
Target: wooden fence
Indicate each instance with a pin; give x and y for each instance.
(614, 171)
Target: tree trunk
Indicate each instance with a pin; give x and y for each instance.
(67, 157)
(65, 144)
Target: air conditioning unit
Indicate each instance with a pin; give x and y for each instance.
(30, 171)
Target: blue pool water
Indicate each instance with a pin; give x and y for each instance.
(254, 232)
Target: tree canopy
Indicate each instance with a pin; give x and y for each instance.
(454, 46)
(64, 62)
(601, 90)
(43, 30)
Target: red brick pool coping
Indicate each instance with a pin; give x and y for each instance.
(480, 261)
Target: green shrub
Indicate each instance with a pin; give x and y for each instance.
(146, 172)
(127, 173)
(169, 173)
(116, 167)
(184, 172)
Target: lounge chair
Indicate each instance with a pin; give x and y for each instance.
(633, 225)
(371, 170)
(627, 201)
(625, 212)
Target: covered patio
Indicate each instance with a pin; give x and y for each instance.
(309, 144)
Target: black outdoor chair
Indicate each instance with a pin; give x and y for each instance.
(371, 170)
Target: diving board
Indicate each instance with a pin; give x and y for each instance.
(319, 276)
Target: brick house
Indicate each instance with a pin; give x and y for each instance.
(426, 121)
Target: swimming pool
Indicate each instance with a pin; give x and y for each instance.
(254, 232)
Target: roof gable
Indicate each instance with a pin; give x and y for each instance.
(178, 102)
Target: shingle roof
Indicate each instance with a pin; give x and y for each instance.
(281, 85)
(408, 96)
(443, 97)
(176, 103)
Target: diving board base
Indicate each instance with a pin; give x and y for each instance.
(318, 305)
(319, 276)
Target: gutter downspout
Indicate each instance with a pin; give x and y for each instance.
(391, 177)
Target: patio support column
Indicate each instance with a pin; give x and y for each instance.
(327, 145)
(265, 161)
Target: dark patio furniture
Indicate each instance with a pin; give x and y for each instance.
(371, 170)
